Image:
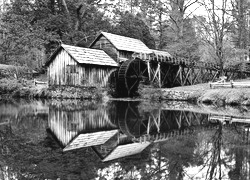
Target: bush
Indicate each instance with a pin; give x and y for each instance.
(9, 86)
(10, 71)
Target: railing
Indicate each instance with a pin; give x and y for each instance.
(39, 82)
(230, 84)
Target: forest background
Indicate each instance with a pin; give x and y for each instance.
(198, 30)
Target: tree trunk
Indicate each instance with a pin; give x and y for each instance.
(80, 11)
(65, 7)
(218, 37)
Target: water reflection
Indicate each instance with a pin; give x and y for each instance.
(67, 119)
(115, 140)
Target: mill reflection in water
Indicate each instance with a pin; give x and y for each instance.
(133, 140)
(119, 129)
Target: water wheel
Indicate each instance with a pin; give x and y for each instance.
(130, 74)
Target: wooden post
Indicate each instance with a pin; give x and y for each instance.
(159, 66)
(148, 127)
(159, 121)
(180, 69)
(210, 84)
(149, 71)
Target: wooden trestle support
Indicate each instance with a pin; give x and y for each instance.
(166, 72)
(171, 72)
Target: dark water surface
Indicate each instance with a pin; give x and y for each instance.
(120, 140)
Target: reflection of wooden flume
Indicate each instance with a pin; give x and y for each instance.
(245, 127)
(173, 134)
(134, 124)
(138, 128)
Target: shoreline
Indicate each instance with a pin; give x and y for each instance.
(142, 105)
(12, 88)
(200, 94)
(197, 94)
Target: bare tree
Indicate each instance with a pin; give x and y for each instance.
(216, 28)
(178, 14)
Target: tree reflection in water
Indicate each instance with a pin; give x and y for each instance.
(183, 144)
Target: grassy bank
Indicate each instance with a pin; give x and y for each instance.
(13, 88)
(201, 93)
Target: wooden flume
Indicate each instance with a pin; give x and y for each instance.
(167, 72)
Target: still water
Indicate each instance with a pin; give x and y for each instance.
(122, 140)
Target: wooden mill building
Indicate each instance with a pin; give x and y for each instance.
(120, 48)
(77, 66)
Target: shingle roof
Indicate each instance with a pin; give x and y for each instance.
(90, 139)
(126, 150)
(125, 43)
(86, 55)
(161, 53)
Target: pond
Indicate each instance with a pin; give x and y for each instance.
(122, 140)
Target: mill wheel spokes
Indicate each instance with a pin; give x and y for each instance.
(129, 76)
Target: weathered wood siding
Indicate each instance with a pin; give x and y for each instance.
(104, 44)
(96, 75)
(64, 70)
(125, 55)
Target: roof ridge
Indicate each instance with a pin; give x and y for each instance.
(122, 36)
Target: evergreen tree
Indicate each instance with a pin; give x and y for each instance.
(132, 26)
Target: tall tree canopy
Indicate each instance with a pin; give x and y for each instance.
(37, 27)
(132, 26)
(32, 29)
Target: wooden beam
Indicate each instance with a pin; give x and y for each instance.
(177, 75)
(186, 77)
(196, 75)
(215, 75)
(149, 71)
(166, 75)
(159, 65)
(148, 127)
(157, 70)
